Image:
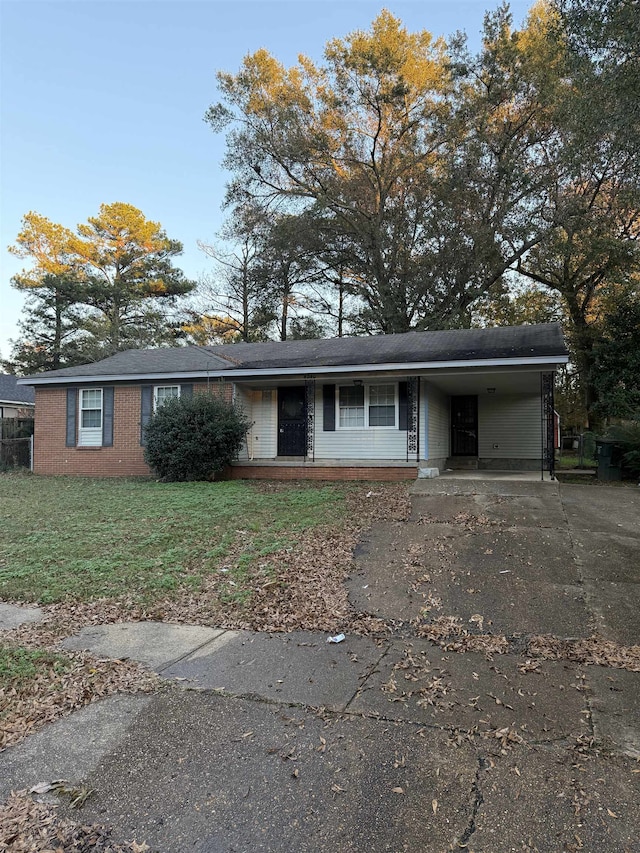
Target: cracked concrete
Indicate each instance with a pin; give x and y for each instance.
(286, 743)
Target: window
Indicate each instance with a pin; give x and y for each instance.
(90, 431)
(382, 405)
(351, 406)
(162, 393)
(367, 406)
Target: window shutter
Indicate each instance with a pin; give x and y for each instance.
(146, 409)
(72, 414)
(107, 417)
(186, 390)
(403, 415)
(328, 408)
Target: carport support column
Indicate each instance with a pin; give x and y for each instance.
(547, 425)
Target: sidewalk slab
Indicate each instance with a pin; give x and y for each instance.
(156, 644)
(615, 705)
(603, 509)
(298, 668)
(69, 748)
(230, 774)
(418, 682)
(541, 801)
(607, 557)
(14, 615)
(616, 609)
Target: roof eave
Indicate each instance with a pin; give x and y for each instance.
(308, 370)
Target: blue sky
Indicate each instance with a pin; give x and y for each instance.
(104, 101)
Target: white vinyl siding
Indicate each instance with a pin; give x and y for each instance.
(263, 413)
(439, 422)
(90, 417)
(374, 443)
(243, 397)
(513, 423)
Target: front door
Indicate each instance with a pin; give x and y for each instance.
(292, 421)
(464, 426)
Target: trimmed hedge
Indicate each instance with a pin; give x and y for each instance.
(193, 438)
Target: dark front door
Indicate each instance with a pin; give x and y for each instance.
(292, 421)
(464, 426)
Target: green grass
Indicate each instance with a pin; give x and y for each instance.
(18, 664)
(76, 538)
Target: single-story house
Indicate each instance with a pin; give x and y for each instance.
(347, 408)
(16, 401)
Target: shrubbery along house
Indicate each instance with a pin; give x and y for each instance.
(378, 407)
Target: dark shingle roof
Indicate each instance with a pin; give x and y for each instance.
(508, 342)
(11, 392)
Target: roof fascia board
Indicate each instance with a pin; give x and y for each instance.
(17, 403)
(257, 373)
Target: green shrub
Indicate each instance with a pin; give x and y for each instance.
(192, 438)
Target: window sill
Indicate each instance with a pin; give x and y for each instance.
(88, 447)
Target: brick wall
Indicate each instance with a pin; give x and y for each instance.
(307, 472)
(124, 459)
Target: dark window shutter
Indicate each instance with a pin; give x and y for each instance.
(107, 417)
(146, 409)
(72, 414)
(186, 390)
(403, 419)
(328, 408)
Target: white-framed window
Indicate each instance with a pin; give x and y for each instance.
(367, 406)
(90, 426)
(162, 393)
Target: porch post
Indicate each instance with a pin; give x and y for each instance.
(310, 406)
(547, 425)
(413, 404)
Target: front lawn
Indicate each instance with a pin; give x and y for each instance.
(82, 539)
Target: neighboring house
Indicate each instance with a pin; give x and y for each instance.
(16, 401)
(347, 408)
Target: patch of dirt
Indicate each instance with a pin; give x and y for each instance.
(27, 826)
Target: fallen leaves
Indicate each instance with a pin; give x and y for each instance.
(26, 704)
(591, 650)
(27, 826)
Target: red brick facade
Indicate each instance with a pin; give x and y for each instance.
(124, 459)
(307, 472)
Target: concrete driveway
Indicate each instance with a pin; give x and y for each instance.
(288, 743)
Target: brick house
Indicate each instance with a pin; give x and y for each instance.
(347, 408)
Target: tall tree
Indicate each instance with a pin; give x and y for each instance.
(112, 279)
(355, 138)
(422, 165)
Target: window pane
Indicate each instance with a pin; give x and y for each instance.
(91, 418)
(92, 398)
(351, 395)
(382, 415)
(382, 395)
(352, 417)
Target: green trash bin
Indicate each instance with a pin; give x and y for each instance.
(608, 454)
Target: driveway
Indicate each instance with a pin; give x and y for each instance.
(489, 719)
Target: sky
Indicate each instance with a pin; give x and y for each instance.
(104, 101)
